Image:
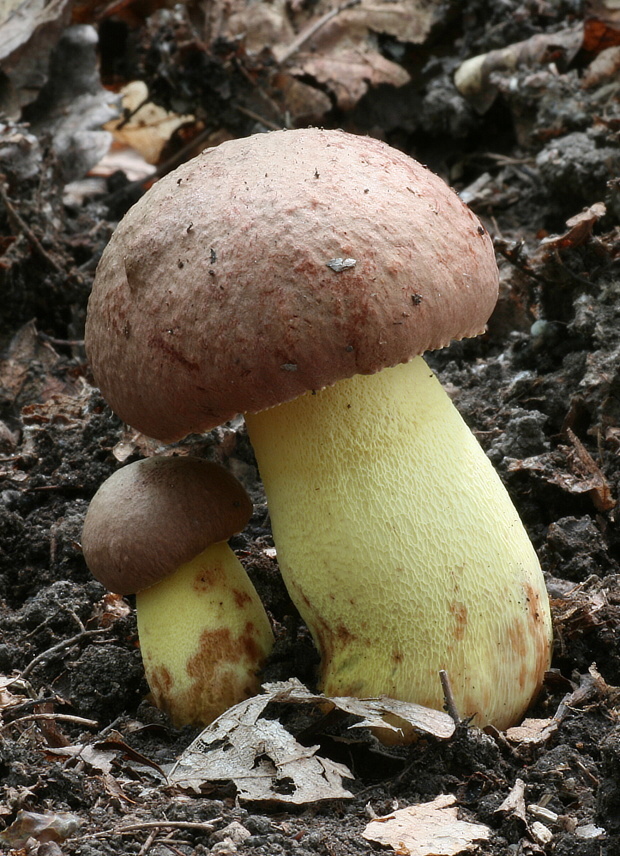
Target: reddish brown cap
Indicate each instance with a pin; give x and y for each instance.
(151, 516)
(277, 264)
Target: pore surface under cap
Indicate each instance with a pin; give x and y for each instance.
(215, 297)
(152, 516)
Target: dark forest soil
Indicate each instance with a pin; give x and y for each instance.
(541, 391)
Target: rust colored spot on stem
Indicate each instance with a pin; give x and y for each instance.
(459, 611)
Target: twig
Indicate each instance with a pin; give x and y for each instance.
(48, 488)
(449, 696)
(312, 29)
(50, 652)
(19, 222)
(273, 126)
(147, 844)
(78, 343)
(208, 826)
(60, 717)
(23, 706)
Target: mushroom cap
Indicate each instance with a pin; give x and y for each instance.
(152, 516)
(223, 290)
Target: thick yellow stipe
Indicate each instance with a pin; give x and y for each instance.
(401, 547)
(204, 636)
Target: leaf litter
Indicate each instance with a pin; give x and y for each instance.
(266, 763)
(79, 737)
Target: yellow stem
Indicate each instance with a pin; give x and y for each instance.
(401, 547)
(204, 636)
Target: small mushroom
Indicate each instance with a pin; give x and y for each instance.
(158, 527)
(396, 538)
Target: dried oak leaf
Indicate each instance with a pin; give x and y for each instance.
(602, 25)
(428, 829)
(144, 126)
(409, 21)
(27, 369)
(266, 763)
(579, 228)
(303, 102)
(349, 73)
(260, 25)
(43, 826)
(261, 758)
(334, 45)
(343, 56)
(534, 732)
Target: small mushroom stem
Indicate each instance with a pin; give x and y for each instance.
(401, 547)
(204, 636)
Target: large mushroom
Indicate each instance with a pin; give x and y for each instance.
(296, 277)
(159, 528)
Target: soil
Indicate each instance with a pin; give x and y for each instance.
(80, 743)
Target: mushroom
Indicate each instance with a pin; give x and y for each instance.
(158, 527)
(297, 277)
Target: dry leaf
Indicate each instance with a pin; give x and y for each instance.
(579, 612)
(47, 826)
(602, 25)
(119, 158)
(590, 477)
(95, 759)
(335, 45)
(410, 21)
(149, 127)
(603, 67)
(264, 760)
(302, 102)
(533, 731)
(57, 409)
(395, 721)
(7, 699)
(537, 731)
(428, 829)
(107, 755)
(261, 758)
(349, 72)
(389, 716)
(579, 228)
(29, 29)
(261, 25)
(473, 77)
(514, 804)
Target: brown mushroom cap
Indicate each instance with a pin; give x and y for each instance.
(216, 296)
(152, 516)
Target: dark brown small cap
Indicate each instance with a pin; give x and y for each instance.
(152, 516)
(277, 264)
